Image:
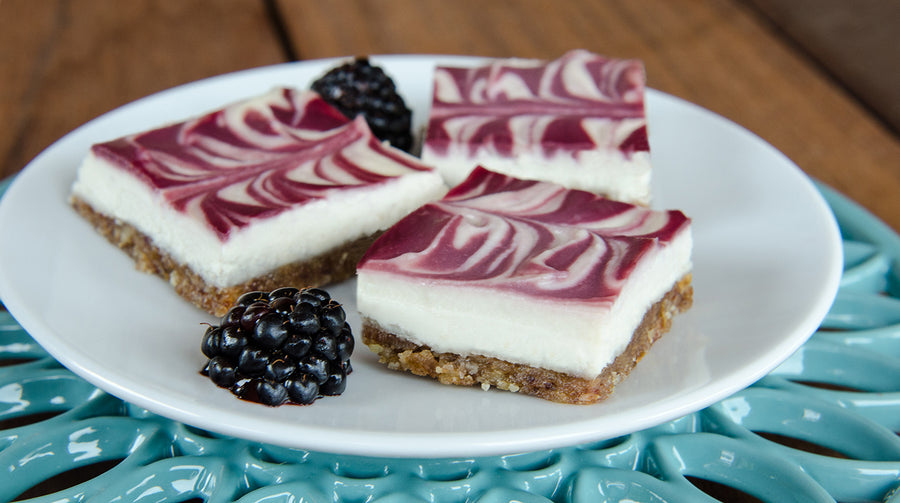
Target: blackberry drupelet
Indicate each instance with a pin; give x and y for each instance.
(284, 346)
(357, 87)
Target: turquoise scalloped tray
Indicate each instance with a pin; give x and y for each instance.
(822, 427)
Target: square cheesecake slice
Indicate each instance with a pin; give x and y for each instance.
(578, 121)
(526, 286)
(277, 190)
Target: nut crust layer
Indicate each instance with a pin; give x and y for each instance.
(330, 267)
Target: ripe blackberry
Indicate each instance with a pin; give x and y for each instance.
(357, 87)
(284, 346)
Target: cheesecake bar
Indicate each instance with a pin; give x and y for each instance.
(525, 286)
(578, 121)
(277, 190)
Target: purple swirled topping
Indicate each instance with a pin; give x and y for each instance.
(529, 237)
(257, 158)
(581, 101)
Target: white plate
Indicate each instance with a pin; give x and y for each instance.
(767, 262)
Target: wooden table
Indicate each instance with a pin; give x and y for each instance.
(65, 62)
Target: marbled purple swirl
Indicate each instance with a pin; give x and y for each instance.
(508, 105)
(257, 158)
(530, 237)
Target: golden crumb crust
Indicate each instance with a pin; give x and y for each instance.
(449, 368)
(330, 267)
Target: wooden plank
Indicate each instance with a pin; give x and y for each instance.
(715, 53)
(856, 42)
(72, 61)
(24, 49)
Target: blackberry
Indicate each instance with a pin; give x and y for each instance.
(285, 346)
(357, 87)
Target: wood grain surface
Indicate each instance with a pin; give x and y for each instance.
(66, 62)
(855, 42)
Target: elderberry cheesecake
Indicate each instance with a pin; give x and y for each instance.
(578, 121)
(279, 189)
(526, 286)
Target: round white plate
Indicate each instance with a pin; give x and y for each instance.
(767, 262)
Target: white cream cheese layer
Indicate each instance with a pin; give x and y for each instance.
(608, 172)
(293, 235)
(574, 338)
